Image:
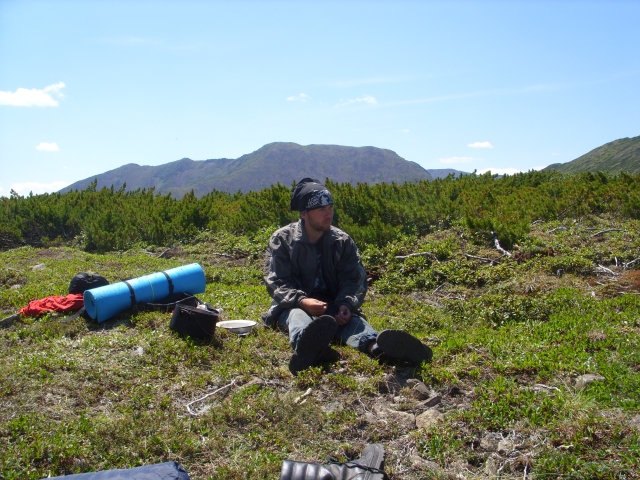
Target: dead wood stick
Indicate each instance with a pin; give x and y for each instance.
(601, 269)
(419, 254)
(497, 245)
(542, 385)
(222, 255)
(303, 396)
(626, 265)
(606, 231)
(229, 385)
(165, 252)
(561, 227)
(482, 259)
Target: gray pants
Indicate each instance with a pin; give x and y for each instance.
(356, 333)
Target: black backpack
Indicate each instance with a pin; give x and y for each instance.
(191, 316)
(197, 322)
(86, 281)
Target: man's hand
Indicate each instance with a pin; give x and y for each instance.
(343, 315)
(313, 307)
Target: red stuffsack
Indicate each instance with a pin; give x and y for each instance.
(71, 303)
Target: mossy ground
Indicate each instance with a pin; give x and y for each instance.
(510, 335)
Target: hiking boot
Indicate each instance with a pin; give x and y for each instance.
(305, 471)
(297, 363)
(367, 467)
(312, 343)
(400, 345)
(329, 355)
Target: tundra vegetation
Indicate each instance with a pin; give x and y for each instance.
(526, 287)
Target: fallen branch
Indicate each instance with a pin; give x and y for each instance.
(626, 265)
(161, 254)
(561, 227)
(547, 387)
(165, 252)
(482, 259)
(497, 245)
(188, 405)
(601, 269)
(222, 255)
(303, 396)
(601, 232)
(419, 254)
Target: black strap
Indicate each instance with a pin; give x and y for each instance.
(133, 294)
(170, 283)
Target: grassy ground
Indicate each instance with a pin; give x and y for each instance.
(512, 336)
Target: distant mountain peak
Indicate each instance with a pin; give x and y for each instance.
(277, 162)
(620, 155)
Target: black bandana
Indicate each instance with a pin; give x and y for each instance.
(310, 194)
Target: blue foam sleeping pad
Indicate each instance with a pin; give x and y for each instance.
(102, 303)
(160, 471)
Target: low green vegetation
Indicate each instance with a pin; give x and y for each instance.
(620, 155)
(515, 337)
(108, 219)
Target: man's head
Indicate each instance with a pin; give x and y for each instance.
(315, 204)
(310, 194)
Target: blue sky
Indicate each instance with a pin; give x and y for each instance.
(86, 87)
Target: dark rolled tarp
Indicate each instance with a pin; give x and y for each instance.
(160, 471)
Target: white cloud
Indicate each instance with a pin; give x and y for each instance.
(459, 160)
(47, 147)
(406, 130)
(365, 99)
(480, 145)
(301, 97)
(33, 97)
(37, 188)
(555, 154)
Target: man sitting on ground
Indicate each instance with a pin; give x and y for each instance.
(317, 282)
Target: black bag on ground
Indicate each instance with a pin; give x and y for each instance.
(86, 281)
(197, 322)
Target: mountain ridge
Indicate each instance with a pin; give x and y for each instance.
(619, 155)
(287, 162)
(278, 162)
